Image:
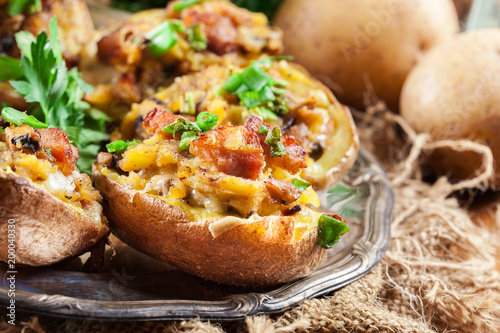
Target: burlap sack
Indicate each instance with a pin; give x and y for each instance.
(437, 275)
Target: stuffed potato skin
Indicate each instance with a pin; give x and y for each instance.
(255, 254)
(46, 204)
(47, 230)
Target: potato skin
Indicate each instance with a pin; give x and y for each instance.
(345, 43)
(237, 257)
(47, 230)
(454, 93)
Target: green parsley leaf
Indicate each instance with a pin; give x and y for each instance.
(57, 93)
(300, 184)
(273, 139)
(16, 7)
(120, 145)
(162, 38)
(184, 4)
(10, 69)
(329, 231)
(19, 118)
(206, 121)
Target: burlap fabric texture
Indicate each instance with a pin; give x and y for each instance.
(438, 274)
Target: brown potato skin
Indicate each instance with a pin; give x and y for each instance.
(454, 93)
(347, 43)
(237, 257)
(47, 230)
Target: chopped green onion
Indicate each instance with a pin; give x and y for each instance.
(16, 7)
(184, 4)
(186, 139)
(19, 118)
(278, 91)
(180, 125)
(189, 104)
(250, 99)
(263, 129)
(10, 69)
(266, 95)
(1, 129)
(281, 83)
(206, 121)
(162, 38)
(265, 113)
(300, 184)
(329, 231)
(234, 82)
(255, 78)
(120, 145)
(196, 38)
(279, 106)
(49, 151)
(273, 139)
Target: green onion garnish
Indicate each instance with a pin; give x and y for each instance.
(255, 78)
(16, 7)
(273, 139)
(184, 4)
(186, 139)
(120, 145)
(206, 121)
(250, 99)
(263, 129)
(162, 38)
(265, 113)
(191, 130)
(196, 38)
(300, 184)
(329, 231)
(234, 82)
(19, 118)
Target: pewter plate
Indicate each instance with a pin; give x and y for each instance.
(133, 286)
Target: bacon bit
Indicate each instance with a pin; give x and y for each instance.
(293, 161)
(233, 150)
(118, 47)
(282, 191)
(157, 120)
(62, 150)
(220, 31)
(30, 140)
(126, 89)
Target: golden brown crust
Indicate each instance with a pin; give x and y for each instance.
(241, 256)
(46, 229)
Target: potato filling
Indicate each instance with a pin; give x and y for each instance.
(47, 158)
(226, 171)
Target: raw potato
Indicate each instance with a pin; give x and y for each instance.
(349, 43)
(46, 229)
(256, 254)
(454, 93)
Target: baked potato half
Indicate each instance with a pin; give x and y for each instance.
(227, 204)
(291, 99)
(49, 211)
(196, 36)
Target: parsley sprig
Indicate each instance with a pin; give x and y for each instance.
(56, 93)
(191, 130)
